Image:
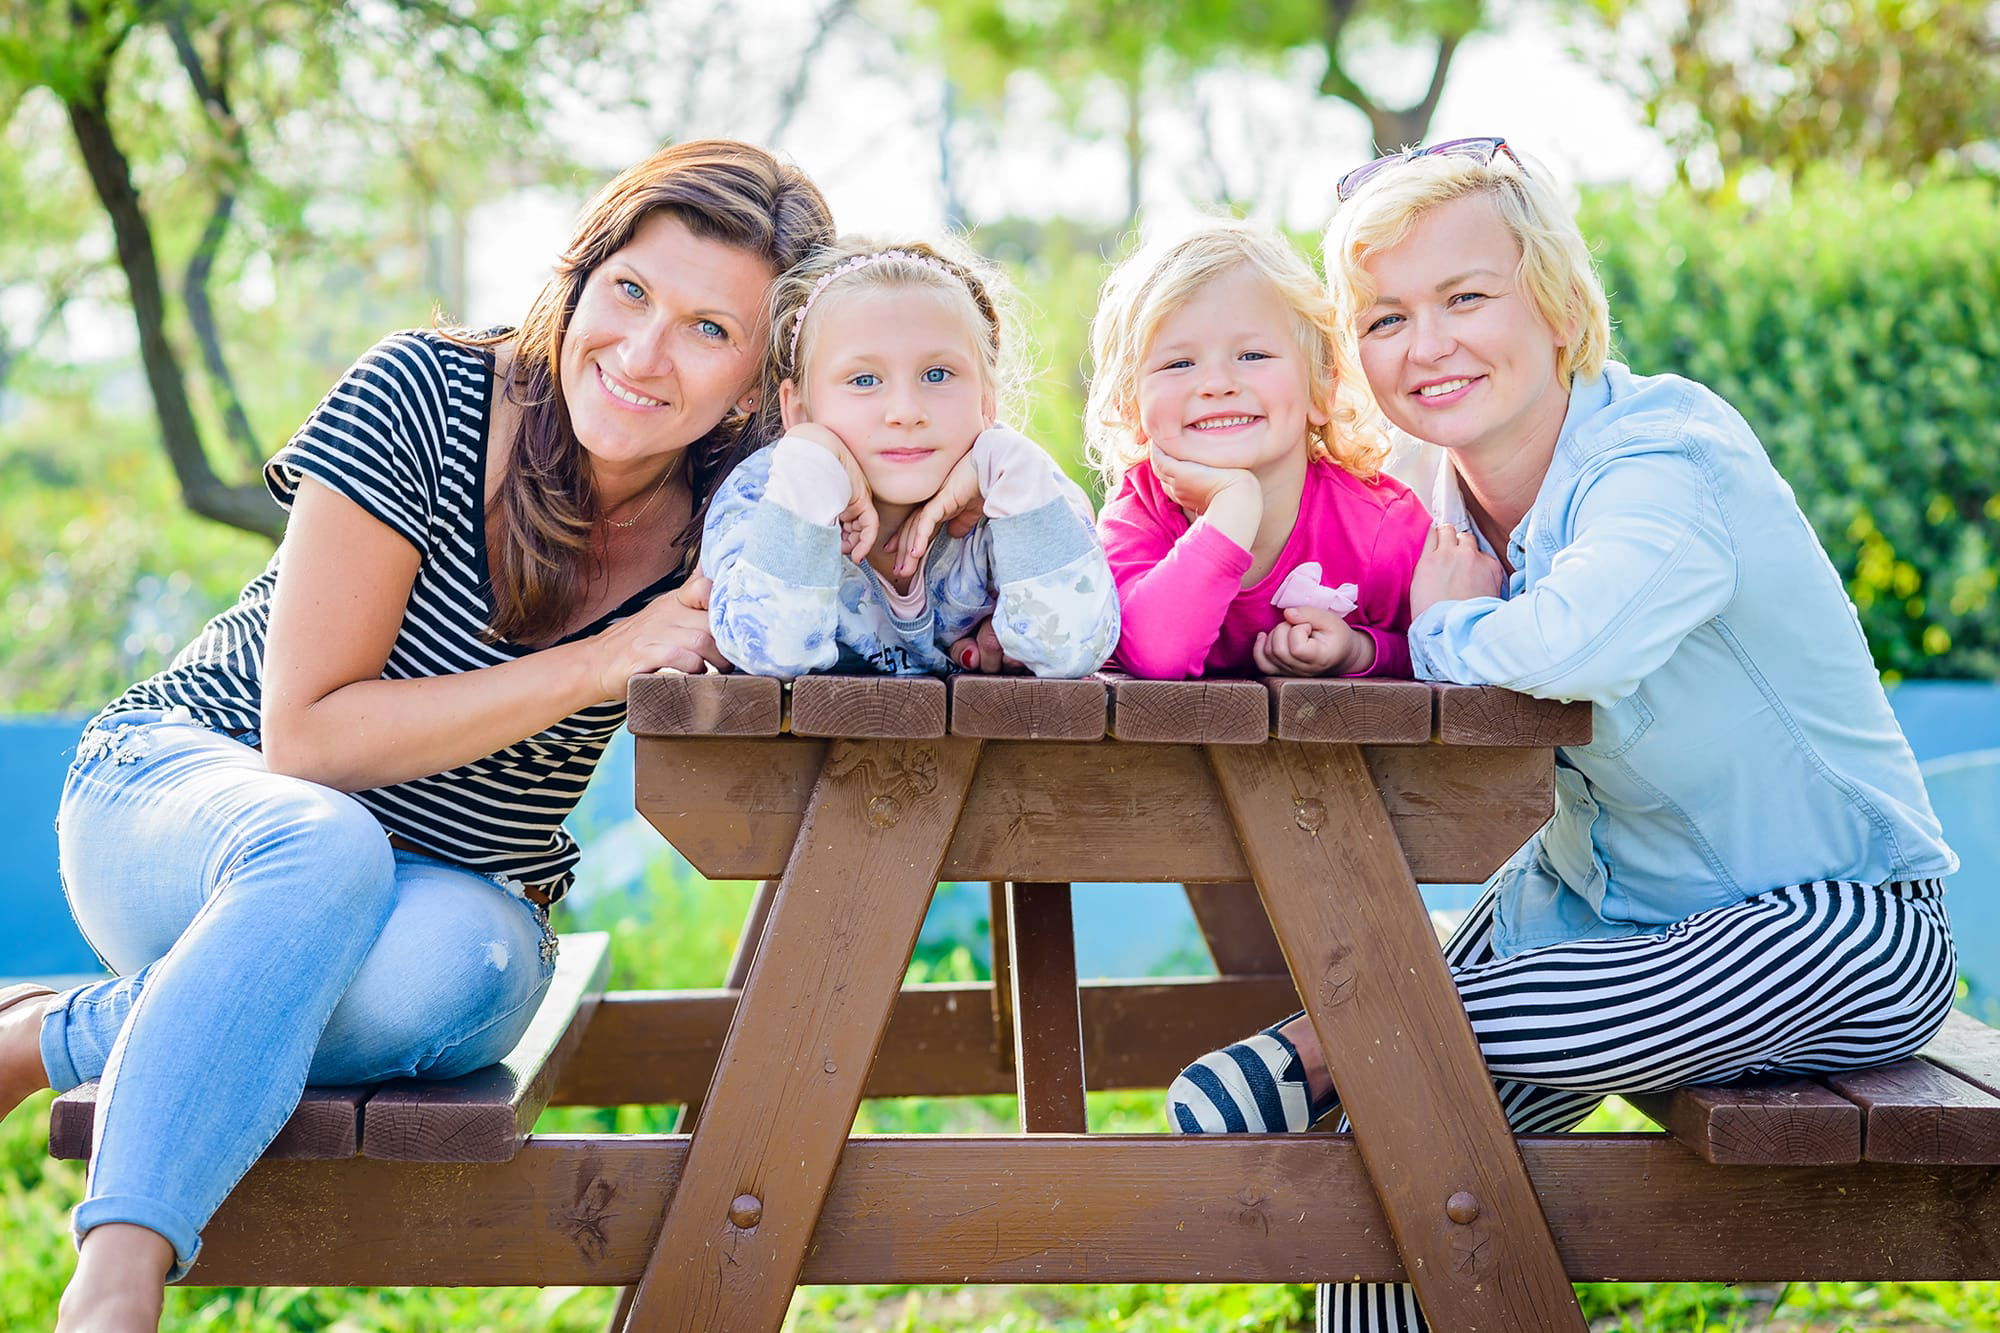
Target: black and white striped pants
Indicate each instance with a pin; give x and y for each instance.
(1816, 977)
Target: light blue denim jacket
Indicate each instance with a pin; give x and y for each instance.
(1741, 740)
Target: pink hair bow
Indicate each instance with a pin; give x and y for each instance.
(1302, 587)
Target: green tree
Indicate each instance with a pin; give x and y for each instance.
(1894, 83)
(210, 132)
(1134, 45)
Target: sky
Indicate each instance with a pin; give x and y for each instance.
(868, 132)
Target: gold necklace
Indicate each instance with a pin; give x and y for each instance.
(658, 486)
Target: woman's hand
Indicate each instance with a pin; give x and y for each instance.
(1452, 569)
(981, 651)
(669, 634)
(859, 523)
(1312, 642)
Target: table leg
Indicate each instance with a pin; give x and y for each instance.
(1048, 1022)
(1003, 978)
(810, 1020)
(1437, 1146)
(1233, 925)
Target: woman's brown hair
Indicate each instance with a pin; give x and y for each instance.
(722, 190)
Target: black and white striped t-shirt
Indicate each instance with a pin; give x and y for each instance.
(403, 435)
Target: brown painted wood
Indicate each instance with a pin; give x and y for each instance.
(1216, 712)
(1090, 812)
(739, 972)
(484, 1115)
(1024, 708)
(1385, 712)
(1382, 1003)
(674, 704)
(1048, 1027)
(883, 707)
(1002, 990)
(1296, 1208)
(326, 1125)
(810, 1021)
(1968, 1048)
(1486, 715)
(1763, 1122)
(1233, 925)
(662, 1046)
(1918, 1112)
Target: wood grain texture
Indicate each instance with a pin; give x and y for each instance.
(484, 1115)
(673, 704)
(811, 1018)
(882, 707)
(1093, 812)
(326, 1125)
(581, 1211)
(1233, 925)
(1199, 712)
(1410, 1073)
(1386, 712)
(1918, 1112)
(662, 1046)
(1485, 715)
(1764, 1122)
(1001, 996)
(1024, 708)
(1048, 1027)
(1968, 1048)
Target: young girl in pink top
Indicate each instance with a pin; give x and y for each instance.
(1250, 529)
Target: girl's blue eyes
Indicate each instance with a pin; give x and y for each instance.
(865, 381)
(1183, 362)
(936, 375)
(868, 379)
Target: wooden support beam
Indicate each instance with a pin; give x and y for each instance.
(812, 1016)
(1224, 1208)
(1233, 925)
(484, 1115)
(1048, 1032)
(1090, 812)
(1410, 1073)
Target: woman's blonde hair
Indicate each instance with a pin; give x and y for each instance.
(858, 263)
(1162, 277)
(1555, 271)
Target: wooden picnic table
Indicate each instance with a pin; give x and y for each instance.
(1333, 798)
(1300, 815)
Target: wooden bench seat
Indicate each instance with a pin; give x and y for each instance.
(480, 1117)
(1939, 1107)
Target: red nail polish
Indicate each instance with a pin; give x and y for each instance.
(968, 658)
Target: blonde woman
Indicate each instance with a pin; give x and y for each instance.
(1743, 873)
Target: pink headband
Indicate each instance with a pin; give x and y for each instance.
(842, 269)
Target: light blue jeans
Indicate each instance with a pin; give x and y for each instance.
(266, 936)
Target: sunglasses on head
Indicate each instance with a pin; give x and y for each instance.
(1480, 150)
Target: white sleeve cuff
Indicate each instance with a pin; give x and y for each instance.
(1015, 474)
(808, 481)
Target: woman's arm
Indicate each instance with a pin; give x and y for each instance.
(343, 585)
(1648, 561)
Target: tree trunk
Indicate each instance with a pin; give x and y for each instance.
(245, 507)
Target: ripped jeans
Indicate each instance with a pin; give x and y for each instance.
(266, 936)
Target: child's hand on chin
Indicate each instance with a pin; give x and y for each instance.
(1196, 486)
(1312, 642)
(958, 502)
(858, 521)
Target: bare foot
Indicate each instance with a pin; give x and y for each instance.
(1299, 1032)
(21, 1071)
(120, 1282)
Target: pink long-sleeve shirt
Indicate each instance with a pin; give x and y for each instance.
(1180, 587)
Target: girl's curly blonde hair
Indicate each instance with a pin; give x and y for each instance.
(1162, 277)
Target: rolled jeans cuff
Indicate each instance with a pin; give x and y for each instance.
(56, 1062)
(169, 1223)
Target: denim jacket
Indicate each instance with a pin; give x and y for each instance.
(1741, 741)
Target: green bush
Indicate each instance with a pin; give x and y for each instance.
(1856, 326)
